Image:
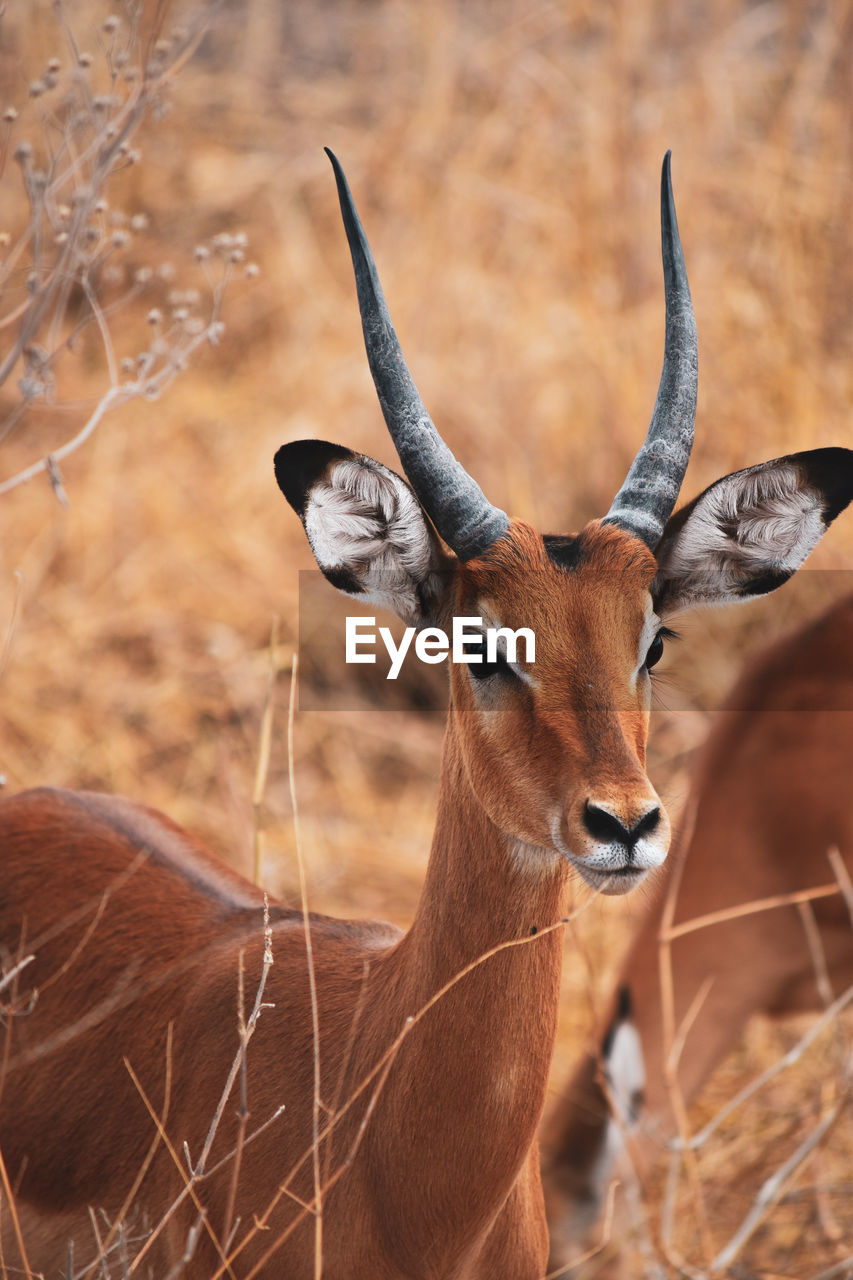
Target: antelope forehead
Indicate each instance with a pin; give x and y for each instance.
(620, 624)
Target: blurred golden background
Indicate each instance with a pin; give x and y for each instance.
(505, 157)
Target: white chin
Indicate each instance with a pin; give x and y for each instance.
(611, 883)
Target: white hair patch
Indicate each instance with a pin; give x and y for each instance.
(365, 520)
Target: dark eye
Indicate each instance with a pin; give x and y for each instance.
(656, 647)
(655, 652)
(482, 670)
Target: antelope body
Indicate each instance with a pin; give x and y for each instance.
(770, 797)
(432, 1169)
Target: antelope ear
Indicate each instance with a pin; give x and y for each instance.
(369, 534)
(749, 532)
(623, 1062)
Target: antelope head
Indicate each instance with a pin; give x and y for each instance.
(554, 748)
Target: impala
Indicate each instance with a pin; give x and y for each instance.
(137, 932)
(771, 796)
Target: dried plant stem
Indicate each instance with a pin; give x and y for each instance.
(751, 908)
(816, 951)
(170, 1212)
(790, 1058)
(671, 1055)
(197, 1174)
(843, 1268)
(16, 1222)
(273, 1248)
(263, 764)
(842, 875)
(9, 978)
(377, 1071)
(112, 399)
(243, 1110)
(309, 954)
(236, 1065)
(190, 1179)
(101, 1254)
(772, 1188)
(149, 1156)
(677, 1047)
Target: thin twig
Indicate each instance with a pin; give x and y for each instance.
(677, 1046)
(243, 1109)
(752, 908)
(409, 1025)
(236, 1065)
(8, 978)
(771, 1189)
(790, 1058)
(817, 953)
(843, 1268)
(150, 1153)
(113, 399)
(189, 1179)
(842, 875)
(16, 1222)
(169, 1213)
(106, 337)
(101, 1258)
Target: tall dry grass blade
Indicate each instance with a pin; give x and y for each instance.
(13, 621)
(817, 953)
(378, 1068)
(790, 1058)
(309, 953)
(189, 1180)
(149, 1155)
(772, 1188)
(264, 745)
(28, 1273)
(842, 875)
(841, 1271)
(752, 908)
(693, 1011)
(670, 1034)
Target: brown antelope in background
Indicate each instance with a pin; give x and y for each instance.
(771, 795)
(137, 931)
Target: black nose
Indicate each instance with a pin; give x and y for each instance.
(602, 825)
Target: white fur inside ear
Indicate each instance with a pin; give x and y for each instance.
(750, 525)
(363, 519)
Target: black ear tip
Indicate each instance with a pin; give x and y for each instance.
(625, 1007)
(831, 470)
(298, 466)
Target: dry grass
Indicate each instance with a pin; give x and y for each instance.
(506, 158)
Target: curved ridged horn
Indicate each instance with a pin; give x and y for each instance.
(647, 498)
(455, 503)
